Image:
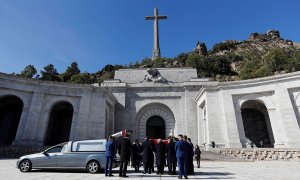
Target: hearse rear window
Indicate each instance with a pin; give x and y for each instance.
(86, 146)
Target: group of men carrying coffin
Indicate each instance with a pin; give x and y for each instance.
(176, 151)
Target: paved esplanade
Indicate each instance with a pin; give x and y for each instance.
(156, 17)
(209, 170)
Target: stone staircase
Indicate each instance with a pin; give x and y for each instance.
(207, 155)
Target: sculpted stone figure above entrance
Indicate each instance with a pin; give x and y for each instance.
(154, 76)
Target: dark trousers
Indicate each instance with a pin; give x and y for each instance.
(147, 167)
(123, 168)
(172, 168)
(108, 165)
(190, 166)
(137, 167)
(182, 167)
(160, 168)
(198, 162)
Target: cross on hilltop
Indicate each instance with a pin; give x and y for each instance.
(156, 17)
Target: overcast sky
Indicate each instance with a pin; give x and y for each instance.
(99, 32)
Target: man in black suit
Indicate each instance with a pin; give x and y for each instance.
(160, 155)
(124, 151)
(171, 157)
(148, 149)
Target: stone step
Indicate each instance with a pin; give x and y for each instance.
(216, 156)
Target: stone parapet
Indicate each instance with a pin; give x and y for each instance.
(262, 154)
(16, 151)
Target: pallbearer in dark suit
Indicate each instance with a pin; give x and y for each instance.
(110, 154)
(124, 151)
(160, 155)
(171, 157)
(147, 155)
(135, 155)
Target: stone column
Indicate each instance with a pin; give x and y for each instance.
(79, 127)
(95, 123)
(276, 124)
(240, 124)
(214, 120)
(232, 128)
(21, 127)
(288, 118)
(31, 126)
(191, 113)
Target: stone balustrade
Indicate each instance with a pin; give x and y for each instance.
(263, 154)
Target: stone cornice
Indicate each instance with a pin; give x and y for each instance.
(37, 82)
(260, 81)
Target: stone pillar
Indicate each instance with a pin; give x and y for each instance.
(231, 124)
(95, 123)
(79, 127)
(191, 113)
(214, 120)
(240, 124)
(21, 127)
(288, 118)
(201, 124)
(31, 126)
(278, 131)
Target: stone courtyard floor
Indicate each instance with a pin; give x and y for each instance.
(208, 170)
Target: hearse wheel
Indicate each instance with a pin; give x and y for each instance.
(25, 166)
(93, 167)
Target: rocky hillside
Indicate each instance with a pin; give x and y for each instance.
(256, 45)
(260, 55)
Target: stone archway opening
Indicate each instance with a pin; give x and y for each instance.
(257, 124)
(155, 115)
(59, 123)
(11, 108)
(156, 128)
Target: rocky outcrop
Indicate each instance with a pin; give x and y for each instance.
(201, 49)
(256, 45)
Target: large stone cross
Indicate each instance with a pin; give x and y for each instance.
(156, 17)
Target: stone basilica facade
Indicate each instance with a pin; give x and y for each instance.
(155, 103)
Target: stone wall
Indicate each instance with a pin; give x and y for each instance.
(16, 151)
(263, 154)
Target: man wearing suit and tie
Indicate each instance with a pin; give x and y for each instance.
(110, 154)
(181, 148)
(124, 151)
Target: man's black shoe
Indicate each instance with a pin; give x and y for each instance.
(179, 177)
(124, 176)
(111, 175)
(185, 177)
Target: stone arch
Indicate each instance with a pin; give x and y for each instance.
(256, 123)
(49, 102)
(57, 99)
(59, 123)
(263, 98)
(154, 109)
(25, 100)
(11, 109)
(270, 105)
